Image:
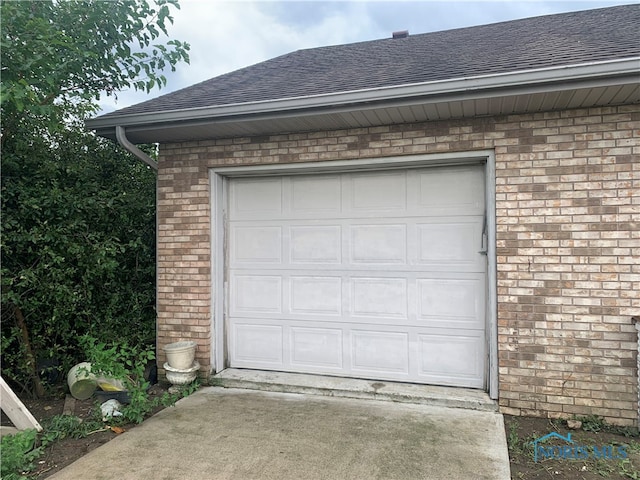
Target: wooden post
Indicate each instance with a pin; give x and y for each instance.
(19, 415)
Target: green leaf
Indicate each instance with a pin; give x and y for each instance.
(58, 58)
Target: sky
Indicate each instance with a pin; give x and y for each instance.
(228, 35)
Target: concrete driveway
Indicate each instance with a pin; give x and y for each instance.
(226, 433)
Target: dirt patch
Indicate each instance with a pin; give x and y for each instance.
(596, 451)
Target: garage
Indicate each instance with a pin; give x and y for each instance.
(379, 275)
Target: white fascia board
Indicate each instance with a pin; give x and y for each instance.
(521, 79)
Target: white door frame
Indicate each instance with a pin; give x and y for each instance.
(218, 181)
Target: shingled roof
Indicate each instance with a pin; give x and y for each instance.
(519, 45)
(554, 62)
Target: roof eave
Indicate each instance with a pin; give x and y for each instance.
(480, 85)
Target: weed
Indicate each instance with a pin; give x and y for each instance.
(602, 467)
(170, 399)
(60, 427)
(627, 470)
(513, 439)
(629, 432)
(592, 423)
(557, 424)
(19, 451)
(595, 424)
(141, 405)
(634, 446)
(18, 454)
(517, 445)
(119, 360)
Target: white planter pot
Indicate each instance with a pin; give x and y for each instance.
(180, 355)
(181, 377)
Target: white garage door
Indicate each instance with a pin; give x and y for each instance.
(371, 274)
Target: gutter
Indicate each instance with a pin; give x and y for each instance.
(121, 136)
(628, 67)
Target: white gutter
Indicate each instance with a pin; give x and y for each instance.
(121, 136)
(569, 73)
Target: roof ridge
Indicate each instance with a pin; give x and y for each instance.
(458, 29)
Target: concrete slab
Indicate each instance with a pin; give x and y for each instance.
(220, 433)
(69, 405)
(355, 388)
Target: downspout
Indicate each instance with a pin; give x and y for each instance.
(121, 136)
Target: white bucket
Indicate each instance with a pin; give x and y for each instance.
(82, 383)
(180, 355)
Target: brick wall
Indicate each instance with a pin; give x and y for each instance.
(568, 243)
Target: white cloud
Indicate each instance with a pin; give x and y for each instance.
(226, 36)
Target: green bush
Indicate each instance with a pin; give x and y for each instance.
(78, 253)
(78, 212)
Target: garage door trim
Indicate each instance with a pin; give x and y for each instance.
(218, 184)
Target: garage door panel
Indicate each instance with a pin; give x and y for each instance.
(376, 193)
(256, 294)
(451, 302)
(451, 244)
(316, 195)
(316, 295)
(256, 198)
(316, 244)
(256, 244)
(373, 275)
(382, 244)
(316, 347)
(451, 358)
(451, 191)
(257, 344)
(379, 297)
(380, 352)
